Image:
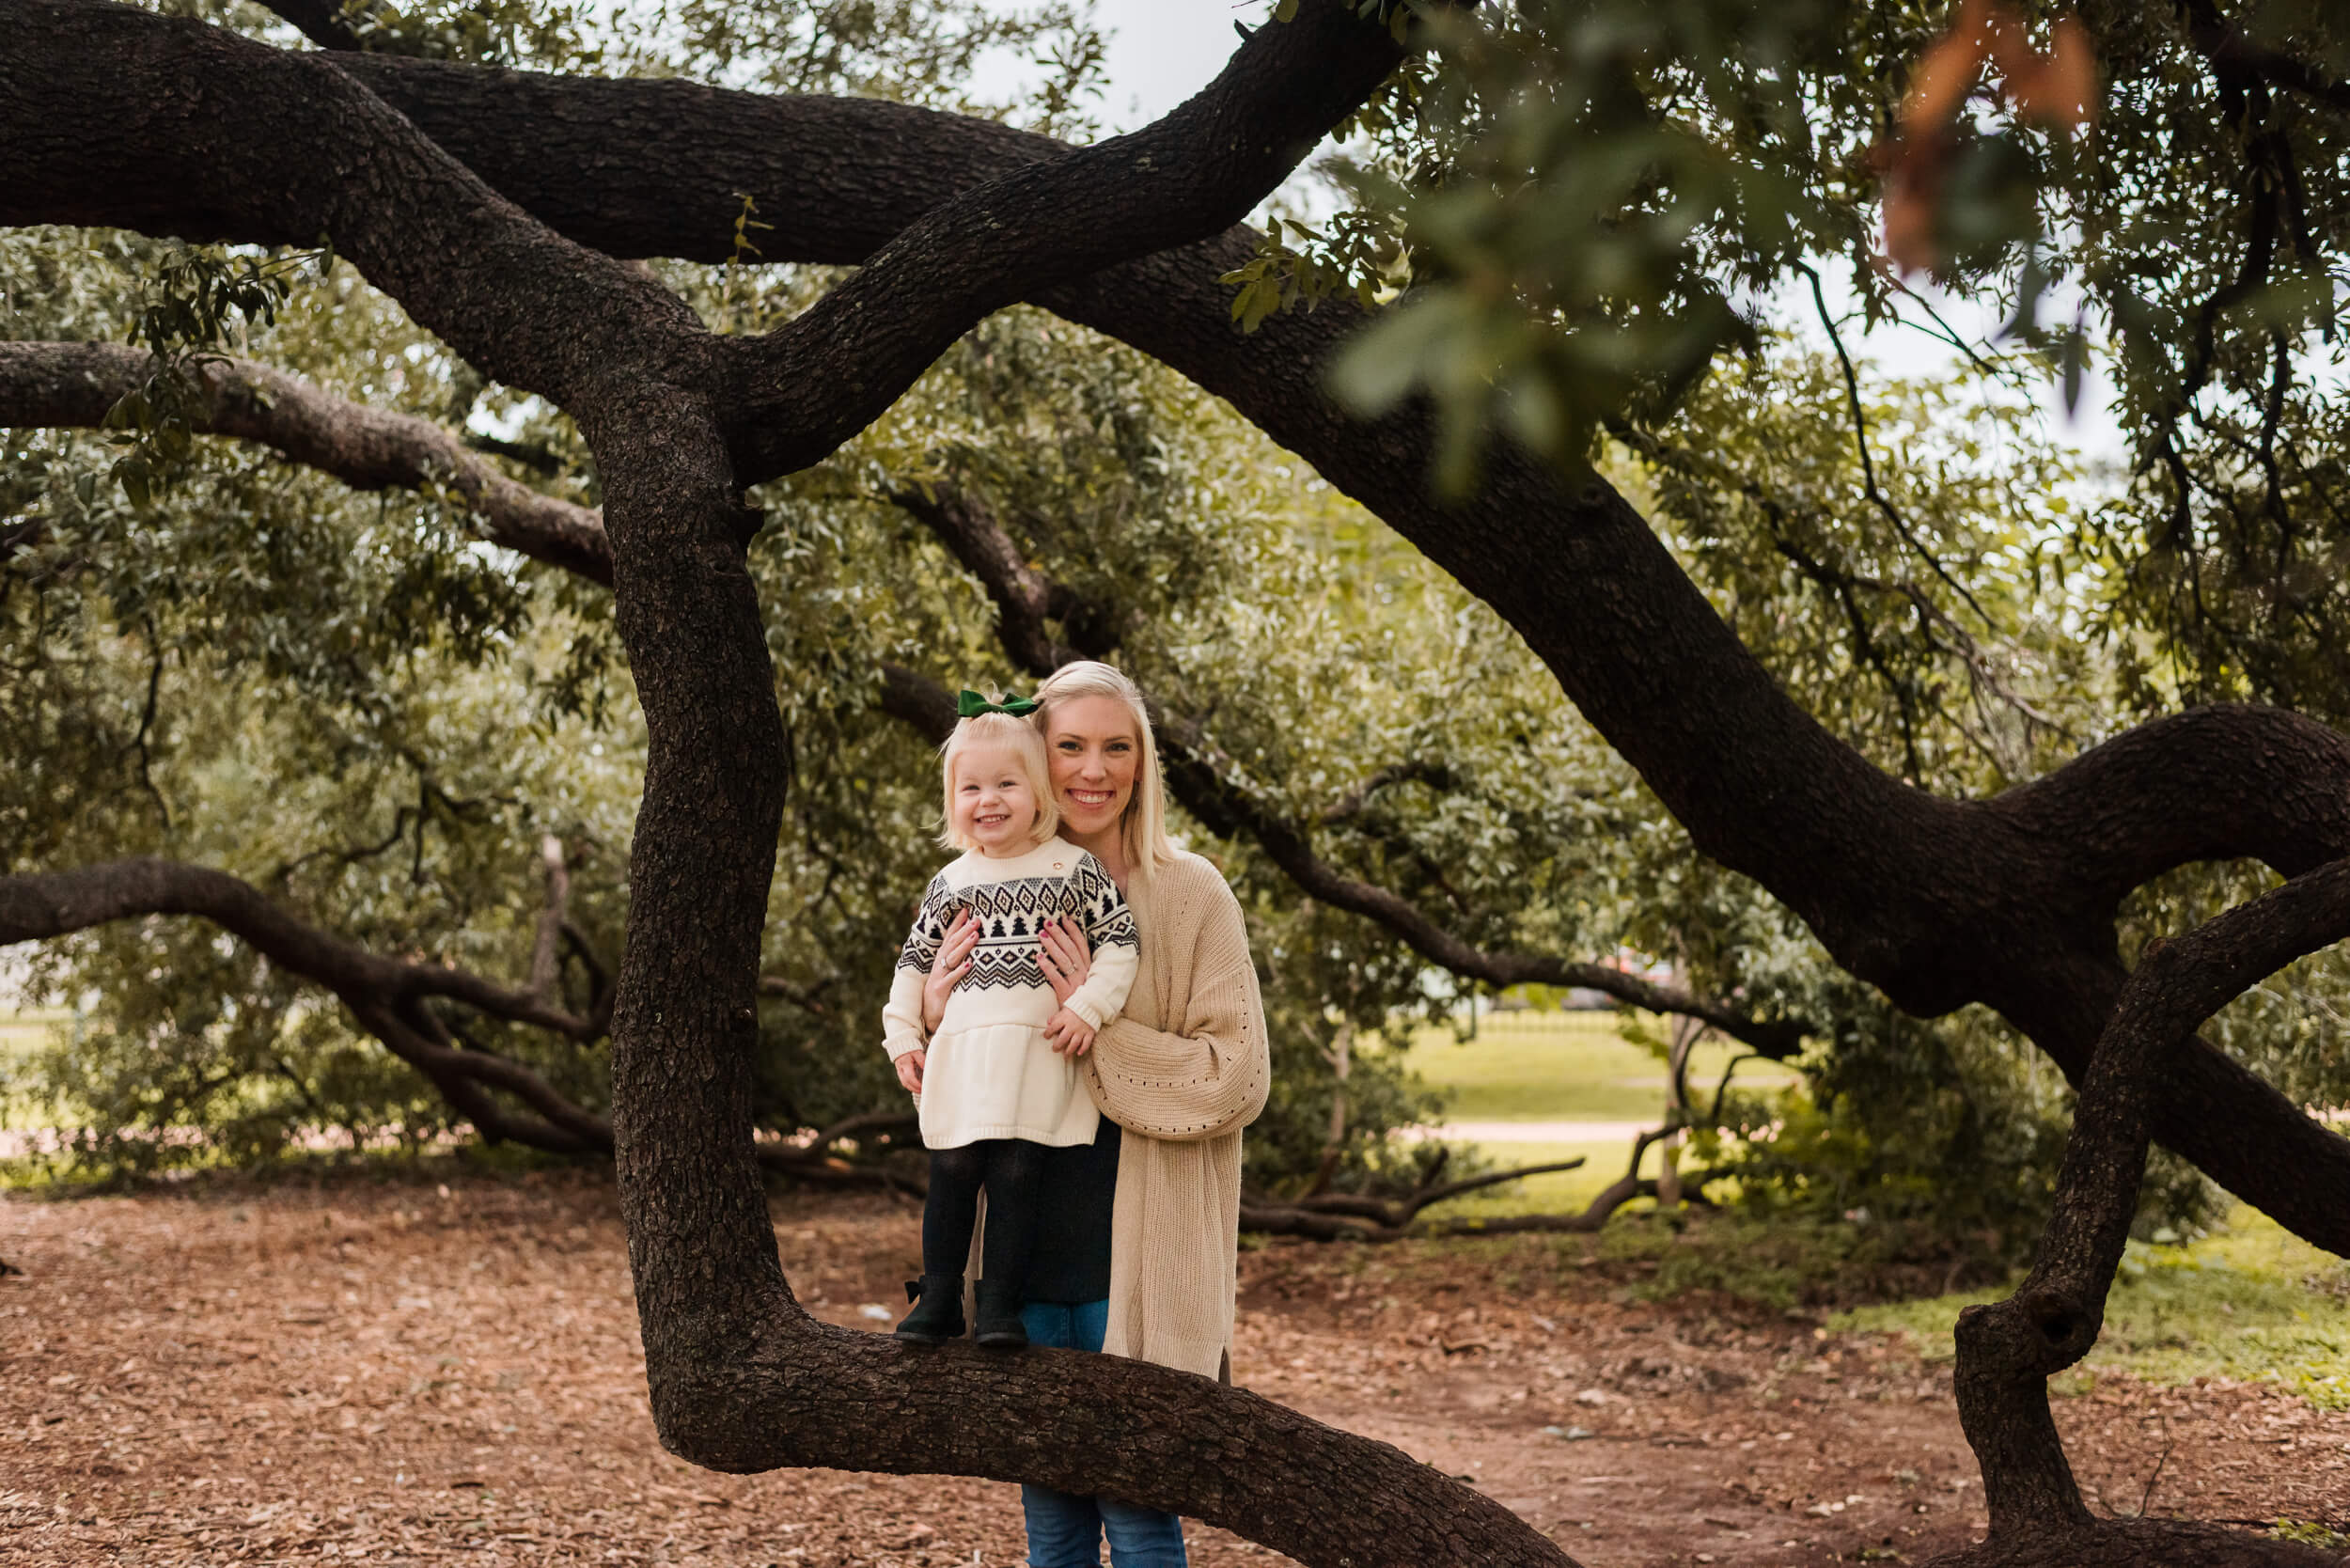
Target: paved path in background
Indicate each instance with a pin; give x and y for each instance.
(1533, 1132)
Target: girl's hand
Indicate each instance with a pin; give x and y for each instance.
(910, 1070)
(1069, 1034)
(1066, 959)
(952, 963)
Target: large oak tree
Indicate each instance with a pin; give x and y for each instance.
(501, 210)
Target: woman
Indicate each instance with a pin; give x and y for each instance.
(1140, 1258)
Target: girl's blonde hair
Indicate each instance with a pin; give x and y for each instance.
(1024, 741)
(1143, 828)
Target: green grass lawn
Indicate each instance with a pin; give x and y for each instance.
(1566, 1067)
(2249, 1301)
(1560, 1067)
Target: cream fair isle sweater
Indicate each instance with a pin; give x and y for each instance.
(990, 1073)
(1185, 1066)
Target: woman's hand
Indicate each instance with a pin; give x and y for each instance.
(1067, 958)
(952, 963)
(910, 1070)
(1069, 1034)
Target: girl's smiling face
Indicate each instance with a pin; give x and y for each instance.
(1095, 753)
(993, 805)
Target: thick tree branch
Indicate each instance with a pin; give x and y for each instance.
(2237, 59)
(1025, 597)
(2008, 1351)
(118, 117)
(811, 386)
(43, 904)
(74, 384)
(324, 23)
(387, 996)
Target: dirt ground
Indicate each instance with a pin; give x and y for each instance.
(399, 1372)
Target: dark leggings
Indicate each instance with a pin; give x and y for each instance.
(1009, 1169)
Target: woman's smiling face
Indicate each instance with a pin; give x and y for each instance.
(1095, 753)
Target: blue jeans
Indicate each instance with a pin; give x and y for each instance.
(1066, 1532)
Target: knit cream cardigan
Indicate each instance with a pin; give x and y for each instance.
(1183, 1068)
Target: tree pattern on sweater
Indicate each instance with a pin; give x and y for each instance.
(1011, 915)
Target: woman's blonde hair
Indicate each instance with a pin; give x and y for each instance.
(1024, 741)
(1142, 829)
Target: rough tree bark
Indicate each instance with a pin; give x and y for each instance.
(200, 133)
(2008, 1350)
(2008, 901)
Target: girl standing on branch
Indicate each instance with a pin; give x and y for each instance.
(996, 1075)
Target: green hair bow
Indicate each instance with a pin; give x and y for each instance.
(971, 705)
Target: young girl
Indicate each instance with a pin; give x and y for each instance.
(993, 1090)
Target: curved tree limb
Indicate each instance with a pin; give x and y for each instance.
(75, 384)
(387, 996)
(1198, 170)
(98, 111)
(2237, 59)
(2008, 1351)
(41, 905)
(324, 23)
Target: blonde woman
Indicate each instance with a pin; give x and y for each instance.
(1136, 1255)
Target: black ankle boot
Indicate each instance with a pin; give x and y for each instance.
(999, 1326)
(938, 1316)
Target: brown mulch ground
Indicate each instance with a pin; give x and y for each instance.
(398, 1372)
